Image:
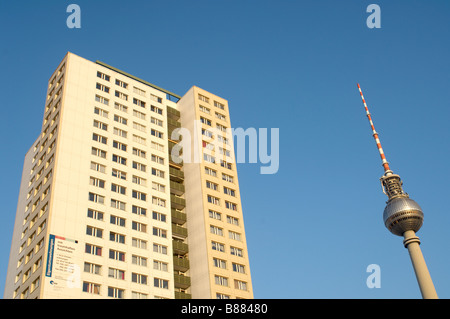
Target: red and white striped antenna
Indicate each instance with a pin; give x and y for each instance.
(385, 163)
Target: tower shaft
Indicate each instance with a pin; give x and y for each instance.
(426, 285)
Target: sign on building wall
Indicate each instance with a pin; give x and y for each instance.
(62, 270)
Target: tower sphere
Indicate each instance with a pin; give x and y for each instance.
(402, 214)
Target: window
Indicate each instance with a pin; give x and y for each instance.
(100, 125)
(98, 152)
(116, 293)
(139, 180)
(234, 235)
(117, 221)
(204, 109)
(118, 189)
(159, 216)
(138, 102)
(139, 226)
(227, 178)
(159, 232)
(117, 204)
(159, 265)
(207, 133)
(155, 98)
(156, 133)
(138, 210)
(216, 230)
(161, 283)
(210, 171)
(120, 119)
(139, 278)
(91, 288)
(121, 84)
(158, 187)
(138, 295)
(217, 246)
(241, 285)
(139, 243)
(211, 185)
(222, 296)
(219, 105)
(138, 91)
(96, 182)
(93, 250)
(157, 159)
(215, 215)
(99, 138)
(139, 152)
(95, 214)
(121, 107)
(93, 231)
(119, 159)
(209, 158)
(120, 146)
(232, 220)
(139, 115)
(139, 127)
(157, 248)
(101, 99)
(101, 112)
(203, 98)
(121, 95)
(157, 146)
(116, 273)
(138, 260)
(98, 167)
(221, 127)
(229, 191)
(92, 268)
(205, 121)
(102, 87)
(236, 251)
(119, 132)
(119, 174)
(157, 172)
(220, 116)
(139, 139)
(116, 255)
(118, 238)
(230, 205)
(222, 281)
(219, 263)
(102, 76)
(156, 121)
(96, 198)
(213, 200)
(238, 268)
(158, 201)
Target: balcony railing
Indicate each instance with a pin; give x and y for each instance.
(179, 231)
(182, 281)
(179, 247)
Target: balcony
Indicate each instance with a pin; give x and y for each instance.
(179, 247)
(173, 113)
(176, 188)
(182, 282)
(180, 264)
(182, 295)
(178, 217)
(176, 174)
(177, 202)
(179, 231)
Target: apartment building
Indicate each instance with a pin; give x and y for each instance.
(106, 211)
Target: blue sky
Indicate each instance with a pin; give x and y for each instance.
(315, 226)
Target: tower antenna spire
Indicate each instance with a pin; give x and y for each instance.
(403, 216)
(385, 163)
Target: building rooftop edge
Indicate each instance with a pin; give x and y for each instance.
(137, 79)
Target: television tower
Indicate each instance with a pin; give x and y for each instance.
(403, 217)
